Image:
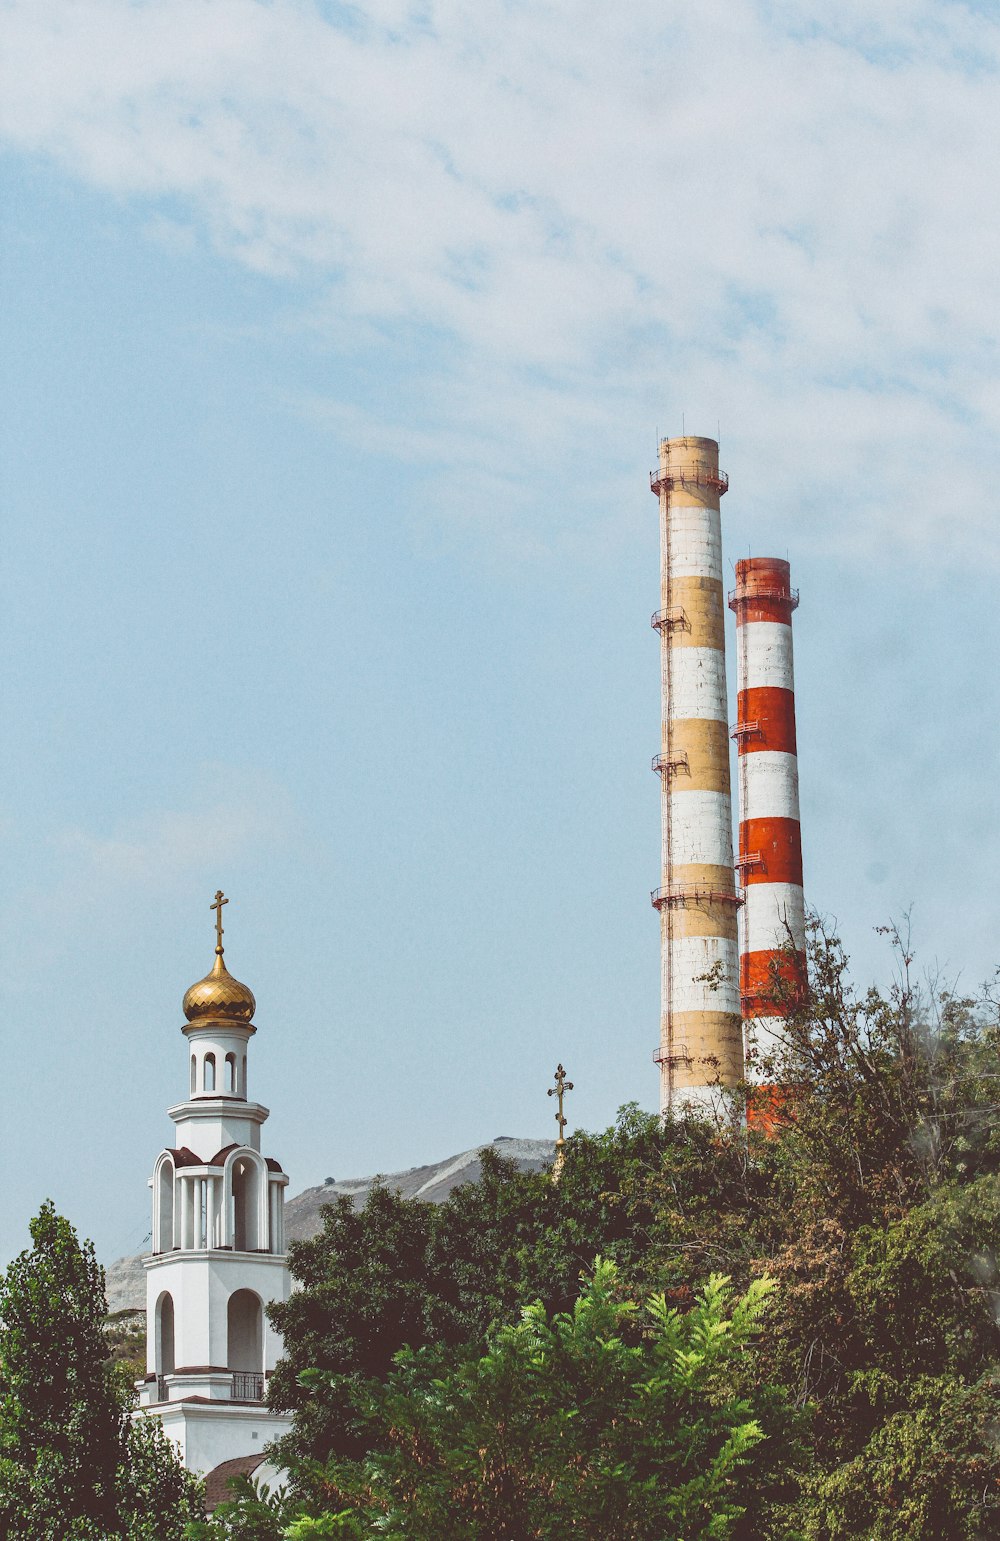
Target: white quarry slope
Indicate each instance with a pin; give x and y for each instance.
(126, 1278)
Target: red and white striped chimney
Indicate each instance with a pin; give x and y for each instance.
(772, 943)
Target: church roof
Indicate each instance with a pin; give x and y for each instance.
(219, 1159)
(219, 997)
(217, 1489)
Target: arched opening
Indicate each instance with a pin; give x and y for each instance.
(246, 1336)
(165, 1208)
(231, 1074)
(246, 1206)
(243, 1077)
(194, 1075)
(209, 1073)
(165, 1334)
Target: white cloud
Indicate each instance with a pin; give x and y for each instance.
(780, 215)
(107, 881)
(169, 845)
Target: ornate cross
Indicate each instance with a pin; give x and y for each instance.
(560, 1089)
(217, 907)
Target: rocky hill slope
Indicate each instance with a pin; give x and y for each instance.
(126, 1277)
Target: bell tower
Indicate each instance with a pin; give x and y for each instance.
(218, 1257)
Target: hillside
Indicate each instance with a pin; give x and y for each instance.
(126, 1282)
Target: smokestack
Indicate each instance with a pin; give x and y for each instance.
(772, 951)
(701, 1046)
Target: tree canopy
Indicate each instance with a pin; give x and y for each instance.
(511, 1363)
(600, 1421)
(73, 1465)
(875, 1209)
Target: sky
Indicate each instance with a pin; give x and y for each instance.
(335, 341)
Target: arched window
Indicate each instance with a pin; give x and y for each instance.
(165, 1334)
(246, 1335)
(165, 1209)
(246, 1206)
(209, 1073)
(194, 1073)
(231, 1074)
(243, 1077)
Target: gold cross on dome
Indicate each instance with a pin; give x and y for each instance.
(217, 907)
(560, 1089)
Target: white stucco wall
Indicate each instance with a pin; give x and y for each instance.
(201, 1284)
(207, 1436)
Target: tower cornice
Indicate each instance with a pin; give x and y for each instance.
(219, 1107)
(207, 1025)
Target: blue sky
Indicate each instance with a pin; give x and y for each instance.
(335, 342)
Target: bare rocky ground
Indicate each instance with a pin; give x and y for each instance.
(126, 1282)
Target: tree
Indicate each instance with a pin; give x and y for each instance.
(876, 1209)
(363, 1296)
(926, 1471)
(157, 1498)
(399, 1272)
(72, 1466)
(248, 1514)
(598, 1422)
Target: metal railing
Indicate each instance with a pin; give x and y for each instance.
(676, 476)
(673, 619)
(248, 1386)
(670, 764)
(748, 595)
(692, 893)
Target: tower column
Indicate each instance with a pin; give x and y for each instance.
(772, 950)
(210, 1345)
(700, 1036)
(211, 1211)
(187, 1213)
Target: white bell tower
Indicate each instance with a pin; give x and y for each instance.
(218, 1255)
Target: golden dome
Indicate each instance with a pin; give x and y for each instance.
(219, 997)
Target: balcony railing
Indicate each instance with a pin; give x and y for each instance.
(248, 1386)
(747, 593)
(688, 476)
(676, 894)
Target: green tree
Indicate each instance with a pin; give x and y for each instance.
(72, 1466)
(399, 1272)
(363, 1296)
(877, 1210)
(404, 1273)
(598, 1422)
(927, 1470)
(247, 1515)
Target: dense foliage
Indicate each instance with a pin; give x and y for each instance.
(602, 1421)
(453, 1377)
(73, 1466)
(876, 1210)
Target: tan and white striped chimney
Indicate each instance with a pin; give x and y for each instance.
(772, 948)
(701, 1048)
